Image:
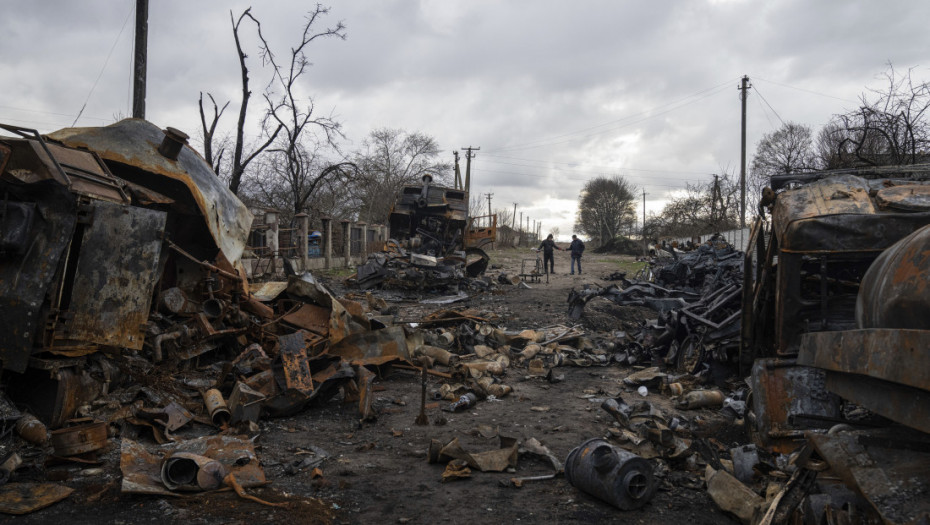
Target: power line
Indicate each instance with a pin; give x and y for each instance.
(543, 142)
(624, 168)
(806, 90)
(585, 179)
(105, 62)
(644, 112)
(765, 113)
(769, 105)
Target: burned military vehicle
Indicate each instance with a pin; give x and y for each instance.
(434, 243)
(818, 324)
(112, 240)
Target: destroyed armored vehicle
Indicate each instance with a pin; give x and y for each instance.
(105, 234)
(434, 243)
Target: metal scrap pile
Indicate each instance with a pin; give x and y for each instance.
(396, 268)
(697, 296)
(124, 305)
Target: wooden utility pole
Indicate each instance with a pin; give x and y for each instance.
(744, 92)
(489, 204)
(140, 58)
(468, 156)
(645, 249)
(521, 227)
(458, 172)
(514, 220)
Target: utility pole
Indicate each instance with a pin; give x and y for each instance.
(744, 93)
(489, 205)
(645, 250)
(458, 172)
(140, 58)
(521, 227)
(514, 220)
(714, 195)
(468, 156)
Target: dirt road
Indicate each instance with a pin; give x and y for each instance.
(377, 472)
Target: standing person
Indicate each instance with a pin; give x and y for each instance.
(577, 248)
(547, 247)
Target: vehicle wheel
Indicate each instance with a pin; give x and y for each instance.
(690, 355)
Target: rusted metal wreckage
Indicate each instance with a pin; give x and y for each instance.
(120, 248)
(434, 242)
(834, 312)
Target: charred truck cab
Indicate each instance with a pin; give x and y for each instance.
(807, 292)
(118, 239)
(433, 221)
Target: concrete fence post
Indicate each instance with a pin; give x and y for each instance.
(327, 241)
(363, 250)
(303, 230)
(346, 242)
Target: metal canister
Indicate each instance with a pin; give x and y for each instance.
(71, 441)
(216, 407)
(611, 474)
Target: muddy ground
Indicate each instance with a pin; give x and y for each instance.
(377, 472)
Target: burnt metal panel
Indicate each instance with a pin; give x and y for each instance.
(783, 392)
(894, 291)
(898, 356)
(25, 278)
(134, 142)
(906, 405)
(116, 275)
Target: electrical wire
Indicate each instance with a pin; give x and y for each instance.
(770, 106)
(547, 162)
(105, 62)
(676, 105)
(805, 90)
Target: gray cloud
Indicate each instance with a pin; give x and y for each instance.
(553, 93)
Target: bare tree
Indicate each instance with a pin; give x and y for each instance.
(296, 151)
(390, 159)
(788, 149)
(607, 207)
(214, 159)
(889, 128)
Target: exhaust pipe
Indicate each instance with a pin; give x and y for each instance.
(424, 193)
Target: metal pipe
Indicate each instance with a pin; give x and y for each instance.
(161, 338)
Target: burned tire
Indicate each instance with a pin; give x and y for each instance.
(690, 355)
(476, 261)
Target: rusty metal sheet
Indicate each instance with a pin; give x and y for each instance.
(906, 405)
(894, 290)
(267, 291)
(837, 215)
(782, 392)
(141, 468)
(25, 278)
(310, 317)
(116, 275)
(374, 347)
(23, 498)
(293, 353)
(134, 142)
(892, 478)
(910, 197)
(898, 356)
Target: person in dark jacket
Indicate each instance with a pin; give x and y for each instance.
(577, 248)
(548, 246)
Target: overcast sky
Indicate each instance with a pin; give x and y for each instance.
(554, 93)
